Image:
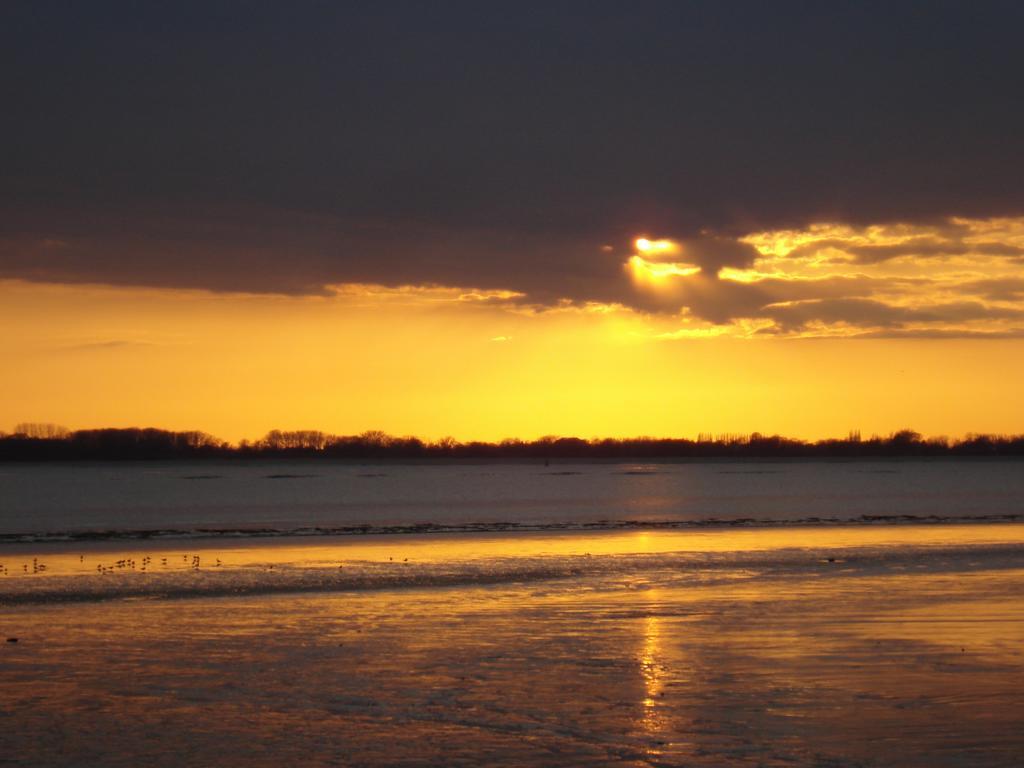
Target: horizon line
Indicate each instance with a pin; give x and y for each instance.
(53, 431)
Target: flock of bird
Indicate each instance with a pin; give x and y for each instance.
(194, 562)
(37, 567)
(129, 564)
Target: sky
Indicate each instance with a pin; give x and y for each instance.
(501, 219)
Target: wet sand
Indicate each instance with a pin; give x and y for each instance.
(818, 647)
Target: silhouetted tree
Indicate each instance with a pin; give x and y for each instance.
(42, 431)
(45, 442)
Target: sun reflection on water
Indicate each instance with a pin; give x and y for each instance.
(653, 671)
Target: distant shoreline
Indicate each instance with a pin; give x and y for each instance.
(552, 463)
(49, 442)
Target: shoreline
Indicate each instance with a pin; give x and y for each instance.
(456, 529)
(103, 570)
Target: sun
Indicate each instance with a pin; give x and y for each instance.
(662, 247)
(647, 269)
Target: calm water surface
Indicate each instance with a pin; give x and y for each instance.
(286, 497)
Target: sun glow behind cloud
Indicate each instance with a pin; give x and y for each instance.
(646, 272)
(656, 248)
(961, 277)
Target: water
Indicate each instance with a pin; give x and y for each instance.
(175, 499)
(752, 614)
(724, 650)
(46, 572)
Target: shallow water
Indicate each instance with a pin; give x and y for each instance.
(110, 569)
(894, 646)
(895, 669)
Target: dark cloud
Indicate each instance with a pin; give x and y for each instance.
(283, 148)
(722, 301)
(924, 246)
(1002, 289)
(939, 334)
(871, 313)
(712, 253)
(302, 254)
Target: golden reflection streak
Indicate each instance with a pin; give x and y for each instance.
(652, 670)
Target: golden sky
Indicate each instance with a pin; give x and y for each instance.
(826, 329)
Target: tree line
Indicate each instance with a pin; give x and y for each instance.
(48, 442)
